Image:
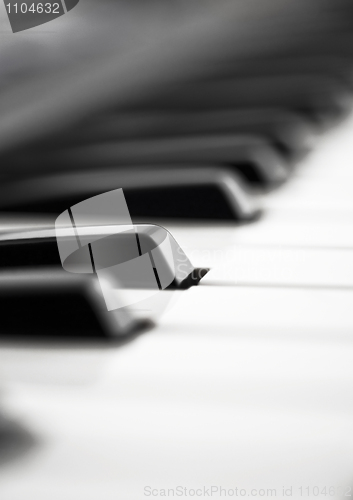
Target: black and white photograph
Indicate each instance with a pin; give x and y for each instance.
(176, 249)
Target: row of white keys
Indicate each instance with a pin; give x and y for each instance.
(272, 346)
(234, 388)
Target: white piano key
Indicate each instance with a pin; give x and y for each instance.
(242, 265)
(325, 177)
(313, 194)
(275, 228)
(332, 158)
(276, 407)
(247, 255)
(235, 310)
(113, 448)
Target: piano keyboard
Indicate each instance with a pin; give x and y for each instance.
(243, 388)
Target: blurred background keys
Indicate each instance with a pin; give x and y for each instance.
(251, 155)
(291, 132)
(321, 97)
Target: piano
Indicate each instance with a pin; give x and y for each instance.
(230, 125)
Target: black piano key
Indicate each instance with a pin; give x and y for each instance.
(47, 302)
(288, 131)
(180, 192)
(322, 98)
(253, 156)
